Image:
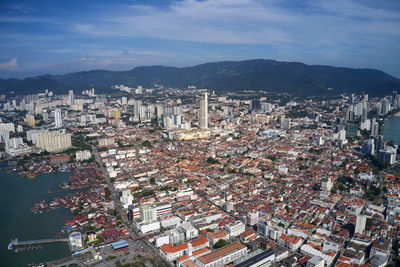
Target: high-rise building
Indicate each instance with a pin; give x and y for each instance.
(255, 105)
(53, 141)
(148, 213)
(385, 106)
(9, 127)
(203, 116)
(351, 100)
(394, 99)
(369, 147)
(374, 127)
(360, 224)
(252, 217)
(364, 114)
(387, 154)
(71, 98)
(57, 118)
(30, 120)
(285, 123)
(379, 143)
(378, 109)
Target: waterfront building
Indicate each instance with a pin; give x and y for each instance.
(379, 143)
(374, 127)
(75, 240)
(387, 154)
(385, 106)
(53, 141)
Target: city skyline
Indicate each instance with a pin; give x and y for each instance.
(44, 37)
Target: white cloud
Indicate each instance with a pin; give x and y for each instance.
(9, 65)
(87, 59)
(250, 22)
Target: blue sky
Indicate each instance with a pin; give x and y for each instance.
(54, 36)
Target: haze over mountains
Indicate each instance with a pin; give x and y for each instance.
(258, 74)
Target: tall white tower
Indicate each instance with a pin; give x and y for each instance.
(203, 118)
(57, 118)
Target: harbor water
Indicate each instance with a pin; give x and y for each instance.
(391, 129)
(18, 195)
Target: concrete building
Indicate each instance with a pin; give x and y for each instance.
(326, 184)
(369, 147)
(235, 229)
(7, 127)
(71, 98)
(387, 154)
(148, 213)
(374, 128)
(257, 258)
(222, 256)
(360, 224)
(83, 155)
(203, 112)
(53, 141)
(252, 217)
(380, 252)
(57, 118)
(75, 240)
(315, 262)
(30, 120)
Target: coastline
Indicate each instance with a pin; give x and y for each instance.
(19, 194)
(391, 128)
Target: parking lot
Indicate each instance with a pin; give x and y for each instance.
(135, 253)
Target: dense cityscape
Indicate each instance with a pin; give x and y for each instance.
(190, 177)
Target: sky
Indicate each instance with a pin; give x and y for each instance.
(56, 37)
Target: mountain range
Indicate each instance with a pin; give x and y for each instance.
(257, 74)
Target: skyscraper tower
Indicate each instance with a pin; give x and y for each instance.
(71, 98)
(57, 118)
(394, 100)
(203, 116)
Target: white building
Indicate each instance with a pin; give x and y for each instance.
(252, 217)
(83, 155)
(189, 230)
(7, 127)
(235, 229)
(360, 224)
(75, 240)
(58, 118)
(53, 141)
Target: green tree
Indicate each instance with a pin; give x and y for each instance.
(220, 243)
(146, 143)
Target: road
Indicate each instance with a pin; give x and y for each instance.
(118, 206)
